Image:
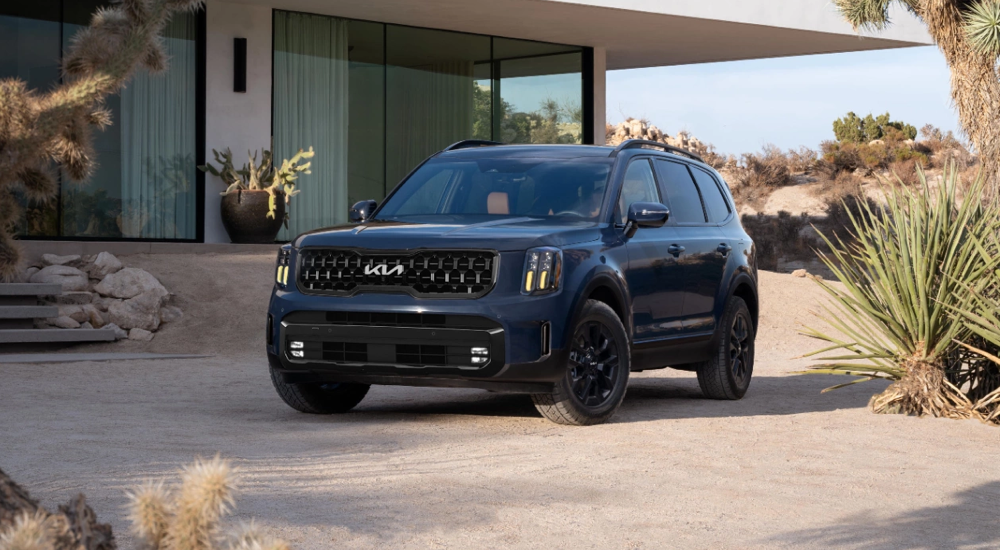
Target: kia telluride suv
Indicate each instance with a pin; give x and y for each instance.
(550, 270)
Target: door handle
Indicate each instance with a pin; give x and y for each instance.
(724, 249)
(675, 249)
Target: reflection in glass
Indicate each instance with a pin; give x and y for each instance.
(366, 112)
(430, 90)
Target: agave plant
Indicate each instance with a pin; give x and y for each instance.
(278, 182)
(906, 270)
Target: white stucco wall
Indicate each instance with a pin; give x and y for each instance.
(239, 121)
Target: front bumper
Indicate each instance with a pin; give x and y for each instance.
(398, 339)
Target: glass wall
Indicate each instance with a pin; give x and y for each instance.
(408, 92)
(144, 186)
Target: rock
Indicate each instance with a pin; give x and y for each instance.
(52, 259)
(87, 325)
(87, 259)
(129, 282)
(75, 313)
(169, 314)
(71, 278)
(119, 333)
(29, 272)
(140, 335)
(63, 322)
(143, 311)
(102, 303)
(95, 316)
(105, 264)
(71, 298)
(800, 273)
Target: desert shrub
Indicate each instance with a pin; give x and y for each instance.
(841, 156)
(909, 268)
(854, 129)
(870, 157)
(943, 148)
(905, 171)
(775, 236)
(803, 160)
(758, 174)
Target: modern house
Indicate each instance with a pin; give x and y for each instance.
(373, 86)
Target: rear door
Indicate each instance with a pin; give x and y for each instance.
(714, 245)
(698, 241)
(653, 274)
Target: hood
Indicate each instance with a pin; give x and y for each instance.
(504, 235)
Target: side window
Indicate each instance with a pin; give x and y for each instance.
(685, 202)
(715, 201)
(639, 185)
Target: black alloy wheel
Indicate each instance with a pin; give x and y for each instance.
(594, 364)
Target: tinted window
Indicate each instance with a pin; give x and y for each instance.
(534, 187)
(638, 186)
(685, 204)
(715, 202)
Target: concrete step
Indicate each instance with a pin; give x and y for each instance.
(55, 335)
(28, 312)
(30, 289)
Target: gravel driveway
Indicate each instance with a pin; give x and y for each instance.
(439, 468)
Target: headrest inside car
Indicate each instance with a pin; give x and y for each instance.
(497, 203)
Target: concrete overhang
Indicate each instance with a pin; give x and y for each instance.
(639, 33)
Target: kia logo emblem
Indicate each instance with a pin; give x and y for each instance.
(383, 270)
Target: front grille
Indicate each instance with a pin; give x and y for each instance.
(425, 273)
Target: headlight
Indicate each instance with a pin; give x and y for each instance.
(542, 271)
(284, 261)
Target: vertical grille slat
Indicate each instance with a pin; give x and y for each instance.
(426, 273)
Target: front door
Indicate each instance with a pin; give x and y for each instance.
(653, 272)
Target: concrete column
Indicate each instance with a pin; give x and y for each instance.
(600, 94)
(239, 121)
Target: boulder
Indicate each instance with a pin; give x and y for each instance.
(142, 311)
(29, 272)
(105, 264)
(119, 333)
(95, 316)
(87, 325)
(52, 259)
(140, 335)
(102, 303)
(75, 313)
(129, 282)
(71, 278)
(800, 273)
(169, 314)
(63, 322)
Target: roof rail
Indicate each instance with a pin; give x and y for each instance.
(636, 143)
(470, 143)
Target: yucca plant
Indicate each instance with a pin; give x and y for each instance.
(905, 269)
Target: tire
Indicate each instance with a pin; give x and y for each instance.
(596, 373)
(727, 374)
(319, 398)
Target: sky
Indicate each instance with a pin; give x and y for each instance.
(741, 106)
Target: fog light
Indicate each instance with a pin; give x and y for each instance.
(480, 351)
(479, 360)
(298, 354)
(296, 345)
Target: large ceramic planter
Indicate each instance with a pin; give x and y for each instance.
(244, 215)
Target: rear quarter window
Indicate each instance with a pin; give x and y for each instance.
(715, 202)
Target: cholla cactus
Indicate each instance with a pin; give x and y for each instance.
(188, 518)
(261, 177)
(37, 129)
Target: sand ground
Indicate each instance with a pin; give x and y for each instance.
(786, 467)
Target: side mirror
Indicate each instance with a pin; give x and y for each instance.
(361, 211)
(645, 214)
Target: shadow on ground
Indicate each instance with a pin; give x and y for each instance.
(956, 525)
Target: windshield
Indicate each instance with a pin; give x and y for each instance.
(502, 187)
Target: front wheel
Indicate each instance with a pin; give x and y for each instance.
(319, 398)
(727, 374)
(596, 374)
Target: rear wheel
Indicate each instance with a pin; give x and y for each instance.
(727, 374)
(319, 398)
(596, 374)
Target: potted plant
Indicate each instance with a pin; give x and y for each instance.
(255, 199)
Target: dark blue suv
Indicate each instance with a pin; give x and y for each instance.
(550, 270)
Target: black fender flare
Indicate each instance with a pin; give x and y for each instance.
(612, 280)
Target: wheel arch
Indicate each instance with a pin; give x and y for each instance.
(745, 287)
(606, 288)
